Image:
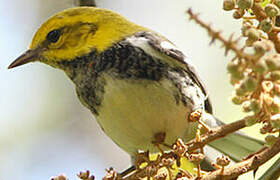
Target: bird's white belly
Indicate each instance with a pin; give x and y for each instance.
(132, 112)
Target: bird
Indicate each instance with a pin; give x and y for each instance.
(138, 85)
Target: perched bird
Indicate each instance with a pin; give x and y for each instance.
(137, 84)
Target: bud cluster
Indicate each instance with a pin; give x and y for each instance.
(241, 6)
(256, 77)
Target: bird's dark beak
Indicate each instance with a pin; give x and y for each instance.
(28, 56)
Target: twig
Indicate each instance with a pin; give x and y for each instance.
(229, 44)
(216, 133)
(247, 165)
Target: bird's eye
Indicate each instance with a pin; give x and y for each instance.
(53, 36)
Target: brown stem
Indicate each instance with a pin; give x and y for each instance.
(252, 163)
(229, 44)
(198, 171)
(216, 133)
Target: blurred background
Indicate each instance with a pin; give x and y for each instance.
(45, 131)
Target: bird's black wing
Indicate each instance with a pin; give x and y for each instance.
(157, 42)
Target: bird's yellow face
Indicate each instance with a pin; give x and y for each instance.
(76, 32)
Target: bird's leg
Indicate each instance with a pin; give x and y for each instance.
(159, 140)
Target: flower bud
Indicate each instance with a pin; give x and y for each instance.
(232, 67)
(267, 86)
(249, 42)
(269, 44)
(270, 140)
(161, 176)
(253, 34)
(260, 67)
(179, 147)
(233, 80)
(266, 128)
(111, 174)
(260, 48)
(237, 75)
(255, 105)
(275, 121)
(196, 158)
(275, 75)
(235, 70)
(59, 177)
(266, 25)
(240, 89)
(273, 62)
(271, 10)
(251, 105)
(228, 5)
(245, 4)
(150, 171)
(168, 162)
(246, 106)
(250, 84)
(237, 99)
(223, 161)
(245, 28)
(238, 13)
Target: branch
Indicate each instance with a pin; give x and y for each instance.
(216, 133)
(229, 44)
(247, 165)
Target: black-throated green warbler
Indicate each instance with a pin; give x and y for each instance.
(137, 84)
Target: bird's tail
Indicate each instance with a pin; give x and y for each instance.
(237, 145)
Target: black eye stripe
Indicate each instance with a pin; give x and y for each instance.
(54, 35)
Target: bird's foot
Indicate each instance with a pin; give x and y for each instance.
(159, 139)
